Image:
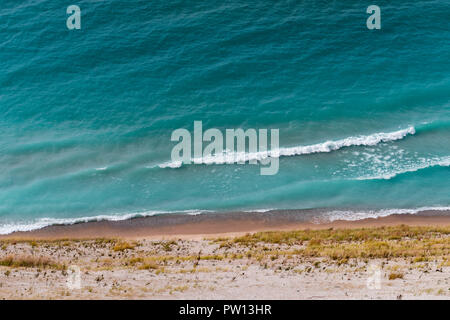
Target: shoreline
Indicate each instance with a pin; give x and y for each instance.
(213, 225)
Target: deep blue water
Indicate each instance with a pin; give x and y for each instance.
(86, 115)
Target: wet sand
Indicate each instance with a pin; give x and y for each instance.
(172, 226)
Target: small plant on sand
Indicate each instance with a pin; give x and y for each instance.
(179, 289)
(30, 262)
(148, 266)
(160, 270)
(121, 246)
(167, 245)
(420, 259)
(396, 275)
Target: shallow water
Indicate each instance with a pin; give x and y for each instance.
(86, 115)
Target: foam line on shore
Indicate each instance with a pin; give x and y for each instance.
(354, 215)
(322, 217)
(46, 222)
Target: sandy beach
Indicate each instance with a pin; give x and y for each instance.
(224, 150)
(200, 257)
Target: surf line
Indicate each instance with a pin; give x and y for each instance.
(236, 151)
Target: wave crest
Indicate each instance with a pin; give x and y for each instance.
(327, 146)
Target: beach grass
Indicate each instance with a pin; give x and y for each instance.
(113, 267)
(420, 243)
(344, 235)
(30, 262)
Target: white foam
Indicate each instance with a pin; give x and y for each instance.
(173, 164)
(350, 215)
(259, 210)
(328, 146)
(444, 162)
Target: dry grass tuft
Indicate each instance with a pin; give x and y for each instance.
(123, 245)
(30, 262)
(396, 275)
(316, 237)
(148, 266)
(341, 245)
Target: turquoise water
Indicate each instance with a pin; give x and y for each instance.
(86, 115)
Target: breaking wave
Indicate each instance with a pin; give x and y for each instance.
(328, 146)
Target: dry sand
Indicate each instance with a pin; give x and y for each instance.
(149, 266)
